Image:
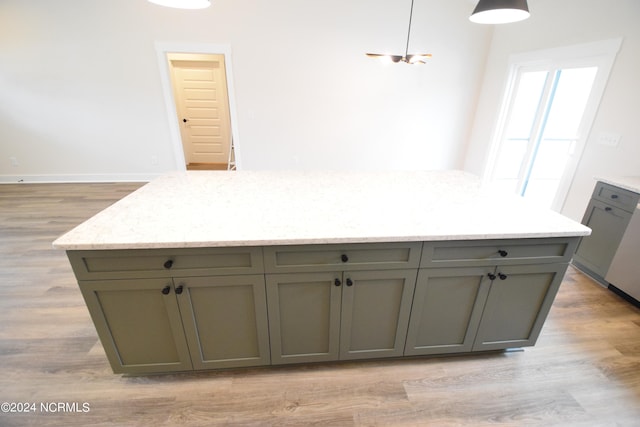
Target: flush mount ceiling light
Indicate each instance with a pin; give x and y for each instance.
(414, 58)
(500, 11)
(183, 4)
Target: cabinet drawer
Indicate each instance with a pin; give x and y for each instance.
(497, 252)
(341, 257)
(147, 263)
(615, 196)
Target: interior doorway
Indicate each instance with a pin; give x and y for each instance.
(202, 106)
(197, 82)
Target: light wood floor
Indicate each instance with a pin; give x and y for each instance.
(207, 167)
(584, 371)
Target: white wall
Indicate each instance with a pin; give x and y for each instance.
(561, 23)
(81, 95)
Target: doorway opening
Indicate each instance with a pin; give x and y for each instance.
(197, 83)
(548, 110)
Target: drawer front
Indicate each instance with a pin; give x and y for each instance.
(279, 259)
(618, 197)
(148, 263)
(473, 253)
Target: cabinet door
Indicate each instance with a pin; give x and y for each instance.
(517, 305)
(304, 316)
(225, 320)
(446, 311)
(608, 225)
(375, 313)
(139, 324)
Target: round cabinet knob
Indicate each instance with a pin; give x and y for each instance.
(168, 264)
(344, 258)
(491, 276)
(503, 253)
(166, 290)
(179, 289)
(608, 209)
(502, 276)
(337, 282)
(184, 120)
(349, 282)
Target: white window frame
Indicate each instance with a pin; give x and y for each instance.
(601, 54)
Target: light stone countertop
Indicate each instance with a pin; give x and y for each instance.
(257, 208)
(631, 183)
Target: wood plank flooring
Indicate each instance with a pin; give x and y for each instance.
(584, 371)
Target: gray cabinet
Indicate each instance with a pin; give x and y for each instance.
(168, 323)
(323, 316)
(608, 215)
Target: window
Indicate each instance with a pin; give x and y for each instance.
(548, 109)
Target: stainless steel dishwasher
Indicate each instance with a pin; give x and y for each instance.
(624, 272)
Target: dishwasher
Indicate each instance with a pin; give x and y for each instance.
(624, 272)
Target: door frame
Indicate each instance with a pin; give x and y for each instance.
(164, 48)
(601, 54)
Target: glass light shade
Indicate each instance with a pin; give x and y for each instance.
(419, 58)
(183, 4)
(500, 11)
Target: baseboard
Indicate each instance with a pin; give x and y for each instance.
(79, 178)
(592, 275)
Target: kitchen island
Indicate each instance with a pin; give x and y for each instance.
(209, 270)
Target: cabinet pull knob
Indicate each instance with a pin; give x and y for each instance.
(503, 253)
(344, 258)
(179, 289)
(491, 276)
(168, 264)
(349, 282)
(614, 196)
(502, 276)
(166, 290)
(608, 209)
(337, 282)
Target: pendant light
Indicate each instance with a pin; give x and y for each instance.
(414, 58)
(183, 4)
(500, 11)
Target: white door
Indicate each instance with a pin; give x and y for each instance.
(542, 129)
(547, 115)
(200, 92)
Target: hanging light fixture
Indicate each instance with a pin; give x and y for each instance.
(414, 58)
(183, 4)
(500, 11)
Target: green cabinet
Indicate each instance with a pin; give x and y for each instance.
(225, 320)
(139, 324)
(168, 310)
(168, 323)
(608, 215)
(485, 295)
(304, 316)
(517, 305)
(322, 316)
(447, 307)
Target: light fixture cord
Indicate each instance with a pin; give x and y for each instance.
(406, 50)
